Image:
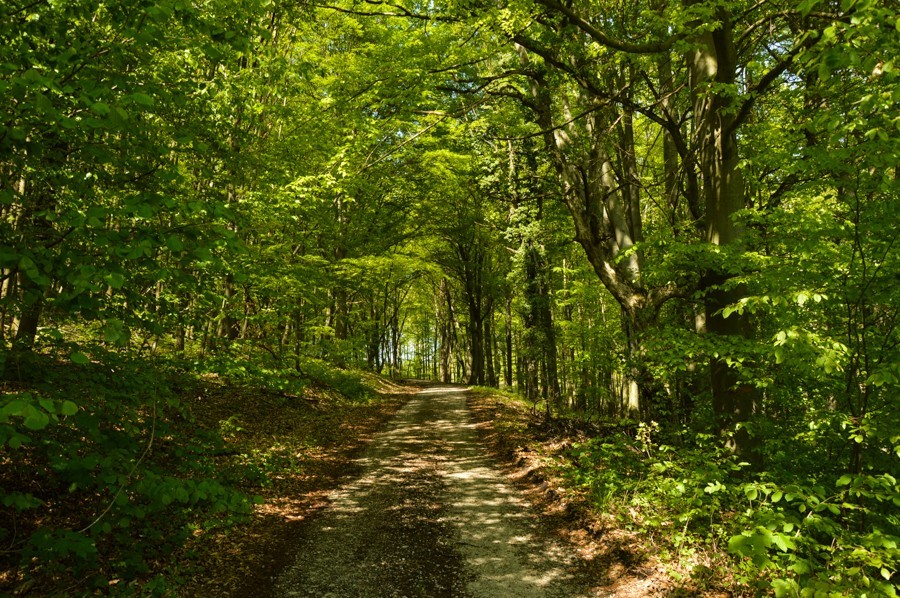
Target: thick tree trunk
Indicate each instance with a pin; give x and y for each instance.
(670, 151)
(476, 347)
(435, 347)
(373, 344)
(339, 319)
(396, 359)
(540, 333)
(299, 337)
(598, 173)
(713, 63)
(7, 293)
(472, 260)
(36, 230)
(179, 338)
(550, 352)
(32, 301)
(228, 326)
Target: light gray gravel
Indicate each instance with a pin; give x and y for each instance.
(430, 516)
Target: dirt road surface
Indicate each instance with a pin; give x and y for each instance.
(430, 516)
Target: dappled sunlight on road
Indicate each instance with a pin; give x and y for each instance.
(429, 516)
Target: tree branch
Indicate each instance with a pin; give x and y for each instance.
(766, 80)
(605, 40)
(401, 12)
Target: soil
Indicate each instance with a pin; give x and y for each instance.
(435, 504)
(242, 561)
(525, 445)
(430, 516)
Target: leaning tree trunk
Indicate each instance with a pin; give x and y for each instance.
(600, 189)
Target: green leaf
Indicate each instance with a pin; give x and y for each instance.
(174, 243)
(142, 99)
(15, 407)
(36, 419)
(114, 331)
(115, 280)
(740, 544)
(79, 358)
(785, 587)
(784, 543)
(844, 480)
(68, 408)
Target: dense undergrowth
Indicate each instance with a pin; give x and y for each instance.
(800, 527)
(109, 464)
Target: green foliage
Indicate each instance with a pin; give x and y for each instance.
(790, 538)
(810, 538)
(279, 193)
(347, 383)
(113, 463)
(288, 382)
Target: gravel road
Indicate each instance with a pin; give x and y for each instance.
(430, 516)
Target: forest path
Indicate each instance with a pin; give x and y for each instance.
(430, 516)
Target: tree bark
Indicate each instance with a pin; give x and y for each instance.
(445, 325)
(508, 370)
(712, 66)
(600, 190)
(490, 374)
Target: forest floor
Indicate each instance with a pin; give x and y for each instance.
(307, 448)
(439, 502)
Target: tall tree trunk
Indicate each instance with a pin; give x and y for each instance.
(713, 67)
(228, 326)
(490, 373)
(36, 230)
(445, 324)
(600, 191)
(508, 370)
(472, 259)
(32, 301)
(476, 347)
(670, 151)
(180, 334)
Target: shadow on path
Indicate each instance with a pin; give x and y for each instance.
(430, 516)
